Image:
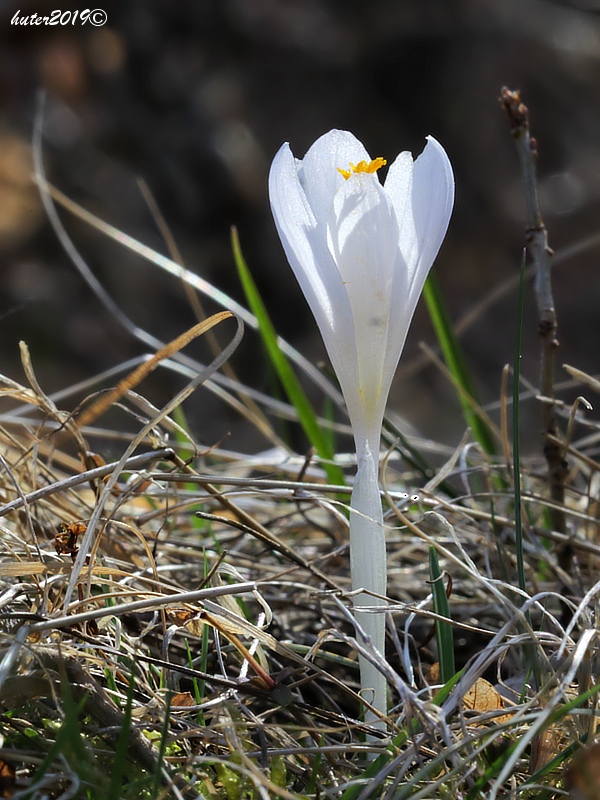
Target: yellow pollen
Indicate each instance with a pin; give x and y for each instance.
(363, 166)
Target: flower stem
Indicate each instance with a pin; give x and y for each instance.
(368, 568)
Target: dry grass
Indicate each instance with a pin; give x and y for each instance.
(199, 603)
(178, 623)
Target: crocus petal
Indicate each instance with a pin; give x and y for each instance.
(306, 249)
(401, 314)
(422, 194)
(361, 254)
(319, 171)
(432, 201)
(399, 188)
(295, 223)
(362, 236)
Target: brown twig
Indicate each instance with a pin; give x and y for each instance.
(541, 253)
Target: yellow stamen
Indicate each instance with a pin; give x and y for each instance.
(363, 166)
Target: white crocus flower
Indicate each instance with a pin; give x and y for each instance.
(361, 252)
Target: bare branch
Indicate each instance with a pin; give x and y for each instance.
(541, 253)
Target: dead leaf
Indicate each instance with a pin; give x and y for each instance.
(182, 700)
(483, 698)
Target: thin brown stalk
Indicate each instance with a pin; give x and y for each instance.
(541, 253)
(104, 402)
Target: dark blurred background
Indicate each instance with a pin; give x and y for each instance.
(196, 96)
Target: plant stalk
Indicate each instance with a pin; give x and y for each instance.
(368, 566)
(540, 251)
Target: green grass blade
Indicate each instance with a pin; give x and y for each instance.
(375, 767)
(455, 361)
(443, 630)
(515, 435)
(68, 734)
(157, 778)
(120, 760)
(289, 381)
(68, 741)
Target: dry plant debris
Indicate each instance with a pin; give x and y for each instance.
(178, 622)
(199, 623)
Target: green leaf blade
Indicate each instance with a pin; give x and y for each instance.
(456, 363)
(443, 630)
(296, 395)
